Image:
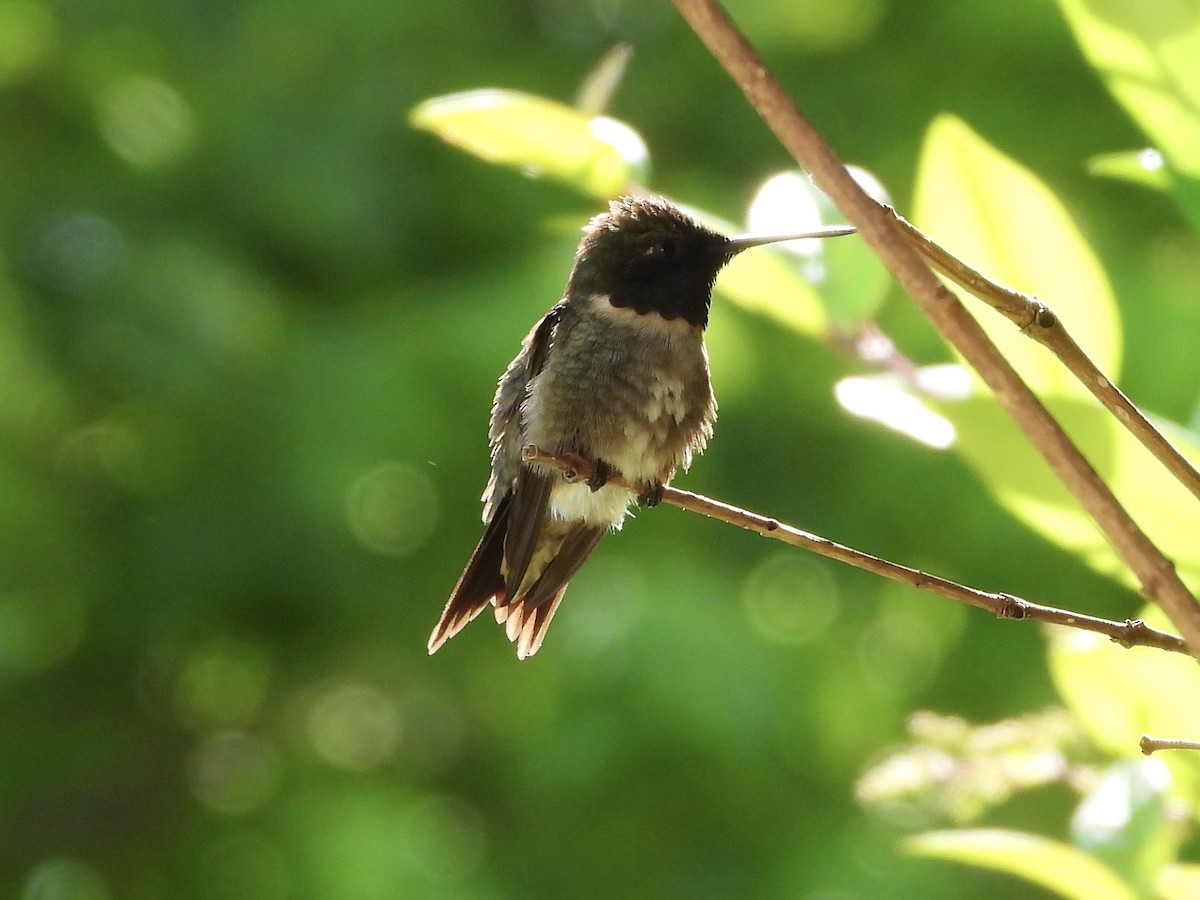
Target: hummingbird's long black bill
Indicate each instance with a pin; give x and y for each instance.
(745, 242)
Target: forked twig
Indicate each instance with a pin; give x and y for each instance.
(1159, 580)
(1039, 322)
(1129, 633)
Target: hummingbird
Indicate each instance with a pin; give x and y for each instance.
(616, 372)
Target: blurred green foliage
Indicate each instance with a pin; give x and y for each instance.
(249, 325)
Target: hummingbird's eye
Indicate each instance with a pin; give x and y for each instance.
(662, 248)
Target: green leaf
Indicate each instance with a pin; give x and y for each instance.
(856, 283)
(1000, 219)
(1148, 53)
(903, 403)
(852, 282)
(1024, 483)
(598, 88)
(598, 155)
(1123, 821)
(768, 281)
(1118, 694)
(1144, 167)
(1042, 861)
(1179, 882)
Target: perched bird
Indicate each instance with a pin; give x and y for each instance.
(617, 372)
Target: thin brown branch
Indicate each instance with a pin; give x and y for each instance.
(1005, 606)
(1150, 745)
(1039, 322)
(1157, 575)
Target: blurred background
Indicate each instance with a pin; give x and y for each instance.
(250, 325)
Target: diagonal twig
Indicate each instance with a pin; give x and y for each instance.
(1129, 633)
(1156, 574)
(1038, 321)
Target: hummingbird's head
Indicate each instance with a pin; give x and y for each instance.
(645, 254)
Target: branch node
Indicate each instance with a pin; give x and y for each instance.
(1011, 607)
(1135, 633)
(1040, 315)
(878, 229)
(1149, 744)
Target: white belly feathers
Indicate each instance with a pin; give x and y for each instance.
(577, 502)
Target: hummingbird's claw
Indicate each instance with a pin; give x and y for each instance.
(652, 495)
(600, 473)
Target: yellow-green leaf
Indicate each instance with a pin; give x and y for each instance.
(1144, 167)
(767, 281)
(1123, 820)
(999, 218)
(1118, 694)
(851, 281)
(1148, 52)
(1022, 481)
(1179, 882)
(1053, 865)
(598, 155)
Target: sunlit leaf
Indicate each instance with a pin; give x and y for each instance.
(1148, 52)
(786, 202)
(1144, 167)
(1000, 219)
(963, 771)
(598, 155)
(1123, 821)
(1118, 694)
(1024, 483)
(888, 399)
(854, 284)
(1178, 882)
(1055, 866)
(852, 281)
(596, 92)
(765, 282)
(768, 281)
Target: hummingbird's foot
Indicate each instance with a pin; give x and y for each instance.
(600, 473)
(652, 495)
